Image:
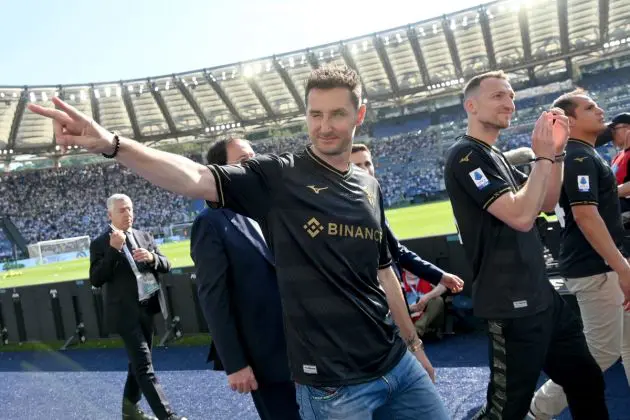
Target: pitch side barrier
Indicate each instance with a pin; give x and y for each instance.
(73, 312)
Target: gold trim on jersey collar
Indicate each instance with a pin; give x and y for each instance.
(483, 143)
(581, 142)
(320, 161)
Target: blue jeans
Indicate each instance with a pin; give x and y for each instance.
(405, 392)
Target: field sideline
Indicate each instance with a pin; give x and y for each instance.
(408, 222)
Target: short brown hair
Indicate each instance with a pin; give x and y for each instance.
(330, 77)
(474, 83)
(360, 147)
(566, 102)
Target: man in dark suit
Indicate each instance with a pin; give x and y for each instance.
(125, 262)
(427, 306)
(238, 292)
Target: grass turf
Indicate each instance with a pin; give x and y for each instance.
(408, 222)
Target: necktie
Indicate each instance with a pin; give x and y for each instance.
(146, 282)
(147, 285)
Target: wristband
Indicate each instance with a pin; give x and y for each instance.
(415, 346)
(561, 156)
(539, 158)
(116, 147)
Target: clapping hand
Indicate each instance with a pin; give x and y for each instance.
(560, 131)
(543, 143)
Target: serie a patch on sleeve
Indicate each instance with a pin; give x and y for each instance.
(479, 178)
(583, 183)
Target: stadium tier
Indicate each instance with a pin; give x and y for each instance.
(412, 78)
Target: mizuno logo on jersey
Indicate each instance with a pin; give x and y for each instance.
(315, 189)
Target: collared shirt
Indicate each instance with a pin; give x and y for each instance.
(509, 271)
(588, 180)
(326, 229)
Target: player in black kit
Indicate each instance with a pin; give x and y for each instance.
(530, 326)
(324, 222)
(592, 256)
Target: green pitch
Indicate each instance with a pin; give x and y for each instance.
(408, 222)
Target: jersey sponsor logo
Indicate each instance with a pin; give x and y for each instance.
(583, 183)
(479, 178)
(309, 369)
(369, 195)
(520, 304)
(315, 189)
(314, 227)
(466, 158)
(580, 159)
(353, 231)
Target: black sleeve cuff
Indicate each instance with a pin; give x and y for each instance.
(386, 265)
(219, 188)
(584, 203)
(495, 197)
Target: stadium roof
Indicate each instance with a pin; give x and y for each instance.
(530, 39)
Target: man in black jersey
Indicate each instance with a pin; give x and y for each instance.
(592, 256)
(325, 224)
(530, 326)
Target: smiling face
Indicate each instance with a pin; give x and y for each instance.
(491, 104)
(332, 118)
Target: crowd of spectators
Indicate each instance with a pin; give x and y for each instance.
(70, 201)
(6, 248)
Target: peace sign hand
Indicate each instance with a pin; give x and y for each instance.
(74, 128)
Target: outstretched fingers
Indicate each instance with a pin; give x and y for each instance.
(71, 111)
(52, 113)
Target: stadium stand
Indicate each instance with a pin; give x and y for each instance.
(50, 203)
(53, 204)
(412, 78)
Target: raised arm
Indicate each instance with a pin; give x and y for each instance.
(519, 210)
(166, 170)
(560, 133)
(542, 189)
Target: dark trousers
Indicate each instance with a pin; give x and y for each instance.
(276, 401)
(551, 341)
(141, 379)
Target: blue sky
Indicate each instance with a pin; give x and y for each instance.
(75, 41)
